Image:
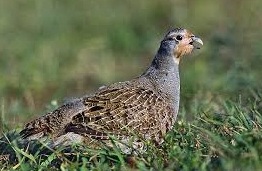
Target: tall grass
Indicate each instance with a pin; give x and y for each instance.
(228, 139)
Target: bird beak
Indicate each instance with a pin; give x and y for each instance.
(197, 41)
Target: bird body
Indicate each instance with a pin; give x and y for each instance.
(145, 107)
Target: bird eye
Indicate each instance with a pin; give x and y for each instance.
(179, 37)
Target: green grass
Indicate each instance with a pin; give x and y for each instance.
(51, 50)
(224, 138)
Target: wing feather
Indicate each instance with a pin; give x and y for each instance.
(121, 111)
(118, 111)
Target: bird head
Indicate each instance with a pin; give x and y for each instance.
(181, 42)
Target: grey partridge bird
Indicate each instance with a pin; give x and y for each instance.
(145, 107)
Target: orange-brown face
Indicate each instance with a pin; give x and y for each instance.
(185, 42)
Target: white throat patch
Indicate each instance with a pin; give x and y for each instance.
(176, 60)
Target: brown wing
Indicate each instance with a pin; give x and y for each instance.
(117, 110)
(121, 112)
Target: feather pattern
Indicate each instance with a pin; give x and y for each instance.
(143, 108)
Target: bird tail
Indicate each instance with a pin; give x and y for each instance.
(52, 122)
(32, 133)
(36, 129)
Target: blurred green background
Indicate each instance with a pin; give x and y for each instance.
(53, 50)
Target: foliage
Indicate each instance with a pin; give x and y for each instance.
(51, 50)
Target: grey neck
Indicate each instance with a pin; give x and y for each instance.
(164, 73)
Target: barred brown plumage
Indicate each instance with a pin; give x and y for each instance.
(144, 108)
